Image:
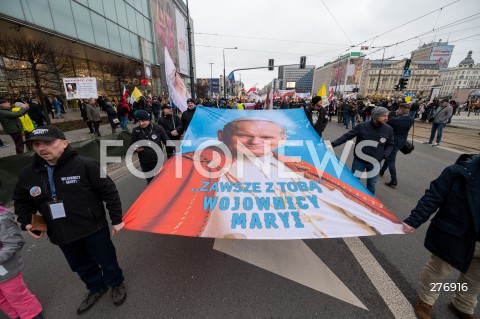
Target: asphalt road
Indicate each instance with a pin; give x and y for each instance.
(180, 277)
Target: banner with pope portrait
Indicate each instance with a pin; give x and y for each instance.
(251, 174)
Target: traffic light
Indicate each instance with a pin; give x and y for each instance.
(270, 65)
(407, 64)
(396, 87)
(303, 62)
(403, 84)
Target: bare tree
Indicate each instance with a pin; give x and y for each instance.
(122, 71)
(33, 63)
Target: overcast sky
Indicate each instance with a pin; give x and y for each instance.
(323, 30)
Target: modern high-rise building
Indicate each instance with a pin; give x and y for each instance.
(292, 77)
(96, 34)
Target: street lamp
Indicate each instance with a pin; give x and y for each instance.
(211, 64)
(224, 83)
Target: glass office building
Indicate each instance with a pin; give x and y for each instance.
(93, 33)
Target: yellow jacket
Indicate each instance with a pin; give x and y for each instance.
(26, 121)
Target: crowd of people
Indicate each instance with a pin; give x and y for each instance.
(84, 238)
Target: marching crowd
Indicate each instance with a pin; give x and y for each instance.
(84, 238)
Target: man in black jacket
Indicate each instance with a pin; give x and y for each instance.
(187, 116)
(365, 156)
(452, 238)
(69, 193)
(172, 125)
(317, 115)
(148, 153)
(401, 124)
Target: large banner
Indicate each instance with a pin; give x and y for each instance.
(207, 87)
(176, 87)
(442, 55)
(251, 174)
(182, 42)
(80, 88)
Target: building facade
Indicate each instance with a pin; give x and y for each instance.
(96, 33)
(465, 76)
(292, 77)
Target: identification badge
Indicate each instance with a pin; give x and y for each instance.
(3, 271)
(154, 137)
(57, 210)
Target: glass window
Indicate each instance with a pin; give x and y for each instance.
(81, 67)
(83, 23)
(96, 6)
(38, 12)
(85, 2)
(121, 13)
(148, 30)
(140, 25)
(63, 17)
(135, 46)
(100, 30)
(125, 42)
(132, 21)
(110, 11)
(146, 8)
(151, 50)
(12, 8)
(114, 36)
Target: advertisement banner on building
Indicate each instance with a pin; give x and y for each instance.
(182, 42)
(80, 88)
(165, 30)
(354, 71)
(442, 55)
(285, 185)
(207, 87)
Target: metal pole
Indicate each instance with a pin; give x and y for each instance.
(224, 83)
(189, 32)
(211, 64)
(380, 72)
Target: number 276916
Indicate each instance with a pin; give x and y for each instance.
(454, 286)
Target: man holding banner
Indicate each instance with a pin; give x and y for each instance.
(243, 189)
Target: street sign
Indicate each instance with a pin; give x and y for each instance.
(412, 94)
(406, 74)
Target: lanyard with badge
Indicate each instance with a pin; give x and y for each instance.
(57, 210)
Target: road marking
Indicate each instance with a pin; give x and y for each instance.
(291, 259)
(387, 289)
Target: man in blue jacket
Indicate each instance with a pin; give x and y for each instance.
(401, 125)
(365, 156)
(453, 237)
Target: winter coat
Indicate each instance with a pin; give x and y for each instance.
(11, 242)
(322, 120)
(26, 120)
(383, 134)
(92, 113)
(170, 123)
(152, 133)
(401, 126)
(83, 192)
(187, 117)
(455, 198)
(11, 122)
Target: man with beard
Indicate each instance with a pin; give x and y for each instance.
(187, 116)
(375, 131)
(172, 125)
(152, 134)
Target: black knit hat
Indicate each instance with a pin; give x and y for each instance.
(316, 99)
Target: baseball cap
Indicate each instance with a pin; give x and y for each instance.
(47, 133)
(191, 100)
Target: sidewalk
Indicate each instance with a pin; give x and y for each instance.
(73, 136)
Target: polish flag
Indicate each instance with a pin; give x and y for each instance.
(330, 96)
(125, 92)
(253, 88)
